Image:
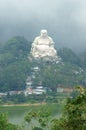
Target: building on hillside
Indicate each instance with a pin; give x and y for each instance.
(60, 90)
(39, 90)
(28, 91)
(64, 90)
(14, 92)
(68, 90)
(28, 82)
(3, 94)
(36, 69)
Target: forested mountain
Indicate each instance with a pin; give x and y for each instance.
(15, 67)
(69, 56)
(83, 59)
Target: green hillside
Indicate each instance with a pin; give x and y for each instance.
(15, 67)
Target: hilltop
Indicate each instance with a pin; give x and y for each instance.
(15, 67)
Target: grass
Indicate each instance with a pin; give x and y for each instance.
(53, 107)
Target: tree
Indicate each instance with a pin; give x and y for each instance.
(14, 64)
(42, 119)
(13, 76)
(83, 59)
(74, 116)
(68, 55)
(18, 46)
(5, 125)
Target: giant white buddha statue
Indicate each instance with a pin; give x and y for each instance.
(43, 45)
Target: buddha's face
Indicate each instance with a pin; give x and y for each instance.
(43, 33)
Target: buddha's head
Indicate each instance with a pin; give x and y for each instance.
(44, 33)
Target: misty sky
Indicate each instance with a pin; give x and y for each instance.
(65, 21)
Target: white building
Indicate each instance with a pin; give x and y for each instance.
(60, 90)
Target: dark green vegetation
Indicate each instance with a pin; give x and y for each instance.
(15, 67)
(16, 114)
(4, 123)
(73, 118)
(33, 98)
(42, 117)
(21, 111)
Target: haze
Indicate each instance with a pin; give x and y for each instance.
(65, 21)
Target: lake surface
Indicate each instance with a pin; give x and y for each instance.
(16, 114)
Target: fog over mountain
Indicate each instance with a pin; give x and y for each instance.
(65, 21)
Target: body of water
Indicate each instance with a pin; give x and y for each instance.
(16, 114)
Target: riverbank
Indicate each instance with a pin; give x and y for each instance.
(25, 104)
(16, 113)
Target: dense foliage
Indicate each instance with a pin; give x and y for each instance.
(5, 125)
(66, 74)
(14, 64)
(15, 67)
(69, 56)
(73, 118)
(83, 59)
